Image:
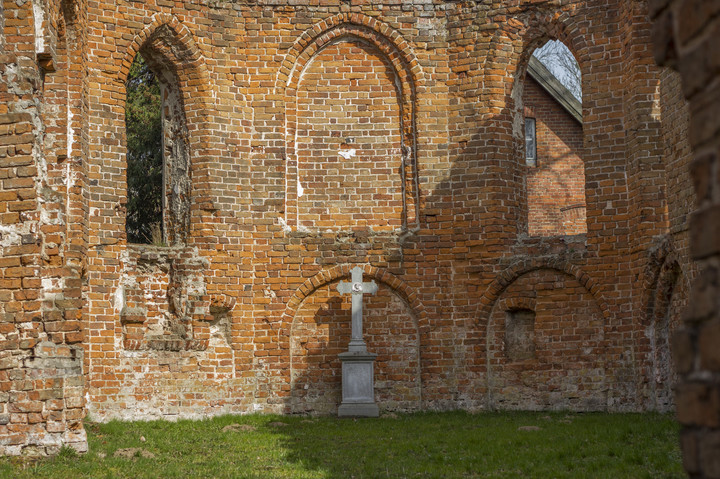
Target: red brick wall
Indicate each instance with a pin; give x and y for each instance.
(208, 325)
(568, 368)
(348, 105)
(556, 185)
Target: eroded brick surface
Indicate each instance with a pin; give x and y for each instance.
(305, 138)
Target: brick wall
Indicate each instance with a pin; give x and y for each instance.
(240, 313)
(349, 141)
(42, 385)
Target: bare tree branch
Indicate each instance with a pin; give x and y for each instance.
(561, 63)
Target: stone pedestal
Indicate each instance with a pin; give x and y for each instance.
(358, 385)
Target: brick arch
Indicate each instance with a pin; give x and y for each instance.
(506, 278)
(290, 321)
(397, 285)
(497, 367)
(195, 69)
(521, 39)
(408, 75)
(509, 304)
(195, 89)
(663, 282)
(662, 266)
(386, 39)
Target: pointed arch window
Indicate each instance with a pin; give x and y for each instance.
(553, 153)
(158, 159)
(143, 123)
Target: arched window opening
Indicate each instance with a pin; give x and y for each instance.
(553, 124)
(143, 123)
(158, 159)
(560, 61)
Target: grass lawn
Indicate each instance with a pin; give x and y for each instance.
(443, 445)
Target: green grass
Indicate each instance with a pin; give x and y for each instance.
(442, 445)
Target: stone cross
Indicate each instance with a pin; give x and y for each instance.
(358, 289)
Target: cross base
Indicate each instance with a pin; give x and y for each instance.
(358, 385)
(359, 410)
(357, 347)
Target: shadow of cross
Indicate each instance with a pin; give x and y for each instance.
(357, 288)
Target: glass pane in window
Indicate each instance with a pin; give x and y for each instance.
(530, 142)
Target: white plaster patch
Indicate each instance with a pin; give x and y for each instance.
(49, 284)
(45, 217)
(39, 16)
(70, 133)
(119, 297)
(284, 225)
(347, 154)
(300, 189)
(269, 293)
(9, 237)
(148, 295)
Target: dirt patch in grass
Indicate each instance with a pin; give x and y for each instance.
(239, 427)
(133, 452)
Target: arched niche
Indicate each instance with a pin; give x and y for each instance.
(350, 107)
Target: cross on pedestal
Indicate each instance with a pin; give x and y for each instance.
(357, 288)
(358, 383)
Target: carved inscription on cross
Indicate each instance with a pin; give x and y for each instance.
(357, 288)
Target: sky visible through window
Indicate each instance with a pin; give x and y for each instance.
(561, 63)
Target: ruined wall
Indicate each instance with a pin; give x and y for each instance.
(325, 136)
(683, 34)
(41, 376)
(303, 140)
(556, 185)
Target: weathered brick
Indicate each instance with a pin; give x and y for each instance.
(389, 138)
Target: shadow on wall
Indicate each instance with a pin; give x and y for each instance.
(321, 331)
(566, 364)
(665, 300)
(572, 354)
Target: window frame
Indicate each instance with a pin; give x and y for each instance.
(531, 159)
